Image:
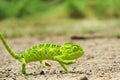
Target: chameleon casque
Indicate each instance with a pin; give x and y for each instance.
(66, 54)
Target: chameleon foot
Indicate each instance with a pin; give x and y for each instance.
(24, 74)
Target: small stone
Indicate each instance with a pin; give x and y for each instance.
(61, 71)
(15, 73)
(9, 69)
(54, 71)
(31, 74)
(13, 78)
(88, 72)
(7, 75)
(34, 72)
(81, 72)
(83, 78)
(42, 73)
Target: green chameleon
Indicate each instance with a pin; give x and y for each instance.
(65, 54)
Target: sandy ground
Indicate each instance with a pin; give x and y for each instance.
(100, 62)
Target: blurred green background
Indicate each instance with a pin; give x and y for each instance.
(20, 18)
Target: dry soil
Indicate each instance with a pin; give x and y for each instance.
(101, 60)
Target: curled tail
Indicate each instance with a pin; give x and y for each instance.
(12, 53)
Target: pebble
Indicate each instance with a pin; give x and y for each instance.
(61, 71)
(83, 78)
(42, 73)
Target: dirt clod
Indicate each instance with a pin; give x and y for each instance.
(83, 78)
(42, 73)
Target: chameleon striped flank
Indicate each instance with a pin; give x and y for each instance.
(65, 54)
(41, 52)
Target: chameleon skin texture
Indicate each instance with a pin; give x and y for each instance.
(65, 54)
(41, 52)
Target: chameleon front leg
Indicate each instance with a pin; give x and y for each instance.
(65, 67)
(64, 63)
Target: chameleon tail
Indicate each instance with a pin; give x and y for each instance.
(12, 53)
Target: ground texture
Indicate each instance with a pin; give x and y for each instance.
(100, 62)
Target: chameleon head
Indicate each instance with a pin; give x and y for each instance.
(72, 51)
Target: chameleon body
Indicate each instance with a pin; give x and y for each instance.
(66, 54)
